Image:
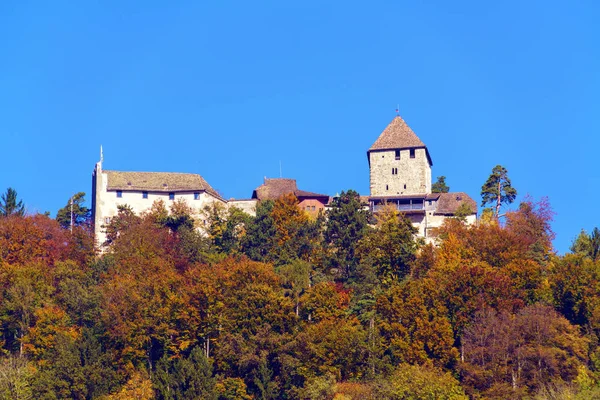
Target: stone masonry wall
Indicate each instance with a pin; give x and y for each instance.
(415, 173)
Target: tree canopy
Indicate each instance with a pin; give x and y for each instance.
(286, 306)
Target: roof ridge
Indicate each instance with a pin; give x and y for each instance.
(397, 135)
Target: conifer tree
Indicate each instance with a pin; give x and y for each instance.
(9, 204)
(440, 186)
(498, 190)
(80, 214)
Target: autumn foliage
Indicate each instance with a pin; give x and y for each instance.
(283, 306)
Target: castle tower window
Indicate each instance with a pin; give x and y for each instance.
(196, 195)
(386, 187)
(397, 154)
(412, 153)
(171, 196)
(119, 193)
(405, 186)
(144, 195)
(394, 171)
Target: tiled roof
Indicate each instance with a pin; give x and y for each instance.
(274, 188)
(448, 203)
(397, 135)
(158, 182)
(304, 193)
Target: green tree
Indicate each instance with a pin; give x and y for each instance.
(9, 204)
(185, 378)
(392, 247)
(296, 279)
(416, 382)
(498, 190)
(346, 226)
(81, 214)
(259, 241)
(440, 185)
(587, 245)
(15, 378)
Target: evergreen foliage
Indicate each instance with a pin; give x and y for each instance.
(440, 186)
(498, 190)
(81, 214)
(9, 204)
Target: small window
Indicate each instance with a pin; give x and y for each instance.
(171, 196)
(313, 208)
(429, 202)
(397, 154)
(107, 220)
(386, 187)
(412, 153)
(144, 195)
(197, 196)
(405, 186)
(119, 193)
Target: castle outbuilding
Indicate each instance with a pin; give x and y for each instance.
(139, 190)
(400, 175)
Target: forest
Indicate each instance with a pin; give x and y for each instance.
(283, 305)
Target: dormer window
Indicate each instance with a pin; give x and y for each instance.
(397, 154)
(412, 153)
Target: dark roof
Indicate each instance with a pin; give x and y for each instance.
(274, 188)
(398, 135)
(448, 203)
(158, 182)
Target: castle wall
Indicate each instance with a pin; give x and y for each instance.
(247, 206)
(107, 202)
(413, 174)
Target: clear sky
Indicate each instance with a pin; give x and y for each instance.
(229, 89)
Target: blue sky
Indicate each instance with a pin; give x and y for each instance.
(229, 89)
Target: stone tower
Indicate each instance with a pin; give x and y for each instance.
(399, 162)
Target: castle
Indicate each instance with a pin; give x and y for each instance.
(400, 176)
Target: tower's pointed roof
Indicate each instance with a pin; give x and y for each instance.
(397, 135)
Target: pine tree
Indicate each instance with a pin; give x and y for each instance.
(9, 204)
(498, 190)
(81, 214)
(440, 186)
(346, 225)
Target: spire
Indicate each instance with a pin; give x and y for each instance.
(101, 154)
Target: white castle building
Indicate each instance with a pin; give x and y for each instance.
(139, 190)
